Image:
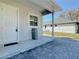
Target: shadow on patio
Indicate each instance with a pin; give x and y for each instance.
(60, 48)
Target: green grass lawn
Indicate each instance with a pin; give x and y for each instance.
(72, 35)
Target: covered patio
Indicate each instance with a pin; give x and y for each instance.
(60, 48)
(27, 45)
(19, 38)
(18, 42)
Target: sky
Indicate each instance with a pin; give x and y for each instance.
(65, 5)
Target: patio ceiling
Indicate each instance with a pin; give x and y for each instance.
(44, 6)
(47, 4)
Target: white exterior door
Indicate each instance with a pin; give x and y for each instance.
(9, 20)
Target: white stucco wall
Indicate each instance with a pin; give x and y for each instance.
(24, 30)
(24, 24)
(24, 27)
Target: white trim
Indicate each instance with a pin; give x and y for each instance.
(18, 24)
(29, 20)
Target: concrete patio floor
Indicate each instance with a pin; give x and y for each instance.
(9, 51)
(60, 48)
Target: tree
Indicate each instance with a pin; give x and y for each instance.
(72, 15)
(62, 15)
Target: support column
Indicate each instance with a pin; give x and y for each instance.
(53, 24)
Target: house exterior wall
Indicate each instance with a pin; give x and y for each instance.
(24, 24)
(24, 28)
(67, 28)
(48, 28)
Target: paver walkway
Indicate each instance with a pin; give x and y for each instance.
(60, 48)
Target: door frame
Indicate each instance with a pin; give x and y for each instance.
(17, 20)
(18, 24)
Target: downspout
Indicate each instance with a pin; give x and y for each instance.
(53, 24)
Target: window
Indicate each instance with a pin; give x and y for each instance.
(33, 20)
